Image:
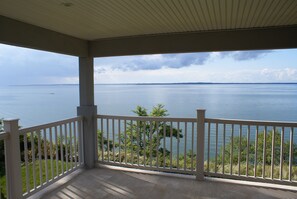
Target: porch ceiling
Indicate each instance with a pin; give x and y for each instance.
(125, 27)
(92, 20)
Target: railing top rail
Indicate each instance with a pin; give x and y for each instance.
(252, 122)
(144, 118)
(4, 135)
(48, 125)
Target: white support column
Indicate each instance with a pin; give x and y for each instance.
(88, 110)
(200, 145)
(13, 159)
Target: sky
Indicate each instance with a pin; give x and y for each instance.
(22, 66)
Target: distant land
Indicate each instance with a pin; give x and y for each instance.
(175, 83)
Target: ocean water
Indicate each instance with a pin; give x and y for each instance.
(35, 105)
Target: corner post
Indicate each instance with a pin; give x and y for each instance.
(13, 159)
(88, 110)
(200, 144)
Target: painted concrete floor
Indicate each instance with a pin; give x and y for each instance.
(107, 184)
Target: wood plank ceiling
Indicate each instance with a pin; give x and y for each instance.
(99, 19)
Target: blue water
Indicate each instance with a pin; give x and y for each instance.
(41, 104)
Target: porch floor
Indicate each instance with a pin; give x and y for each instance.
(107, 183)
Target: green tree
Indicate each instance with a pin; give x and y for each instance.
(143, 136)
(1, 125)
(268, 149)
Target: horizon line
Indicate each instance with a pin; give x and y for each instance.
(166, 83)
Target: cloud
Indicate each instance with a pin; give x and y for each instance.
(182, 60)
(27, 66)
(286, 74)
(151, 62)
(246, 55)
(194, 74)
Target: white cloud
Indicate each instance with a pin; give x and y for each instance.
(25, 66)
(194, 74)
(286, 74)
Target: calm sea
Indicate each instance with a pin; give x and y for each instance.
(41, 104)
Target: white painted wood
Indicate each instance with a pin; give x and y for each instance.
(144, 144)
(148, 119)
(57, 152)
(264, 153)
(151, 143)
(61, 148)
(51, 153)
(175, 123)
(88, 110)
(248, 151)
(281, 153)
(273, 152)
(177, 146)
(231, 155)
(26, 163)
(239, 149)
(192, 148)
(48, 125)
(39, 157)
(171, 151)
(200, 144)
(164, 144)
(4, 135)
(223, 153)
(70, 146)
(45, 154)
(33, 159)
(251, 122)
(208, 145)
(256, 152)
(125, 134)
(12, 159)
(75, 143)
(153, 168)
(185, 147)
(119, 133)
(113, 143)
(80, 143)
(291, 151)
(107, 135)
(45, 135)
(66, 144)
(216, 152)
(138, 141)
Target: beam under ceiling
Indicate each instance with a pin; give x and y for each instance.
(22, 34)
(249, 39)
(25, 35)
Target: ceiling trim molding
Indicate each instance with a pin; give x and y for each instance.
(18, 33)
(231, 40)
(21, 34)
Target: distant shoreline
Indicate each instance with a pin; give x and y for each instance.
(178, 83)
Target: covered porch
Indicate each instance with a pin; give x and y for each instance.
(111, 183)
(116, 28)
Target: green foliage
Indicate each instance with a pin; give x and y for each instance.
(30, 171)
(105, 141)
(144, 136)
(237, 141)
(1, 125)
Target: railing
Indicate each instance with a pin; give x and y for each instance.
(240, 149)
(3, 141)
(162, 144)
(252, 150)
(41, 155)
